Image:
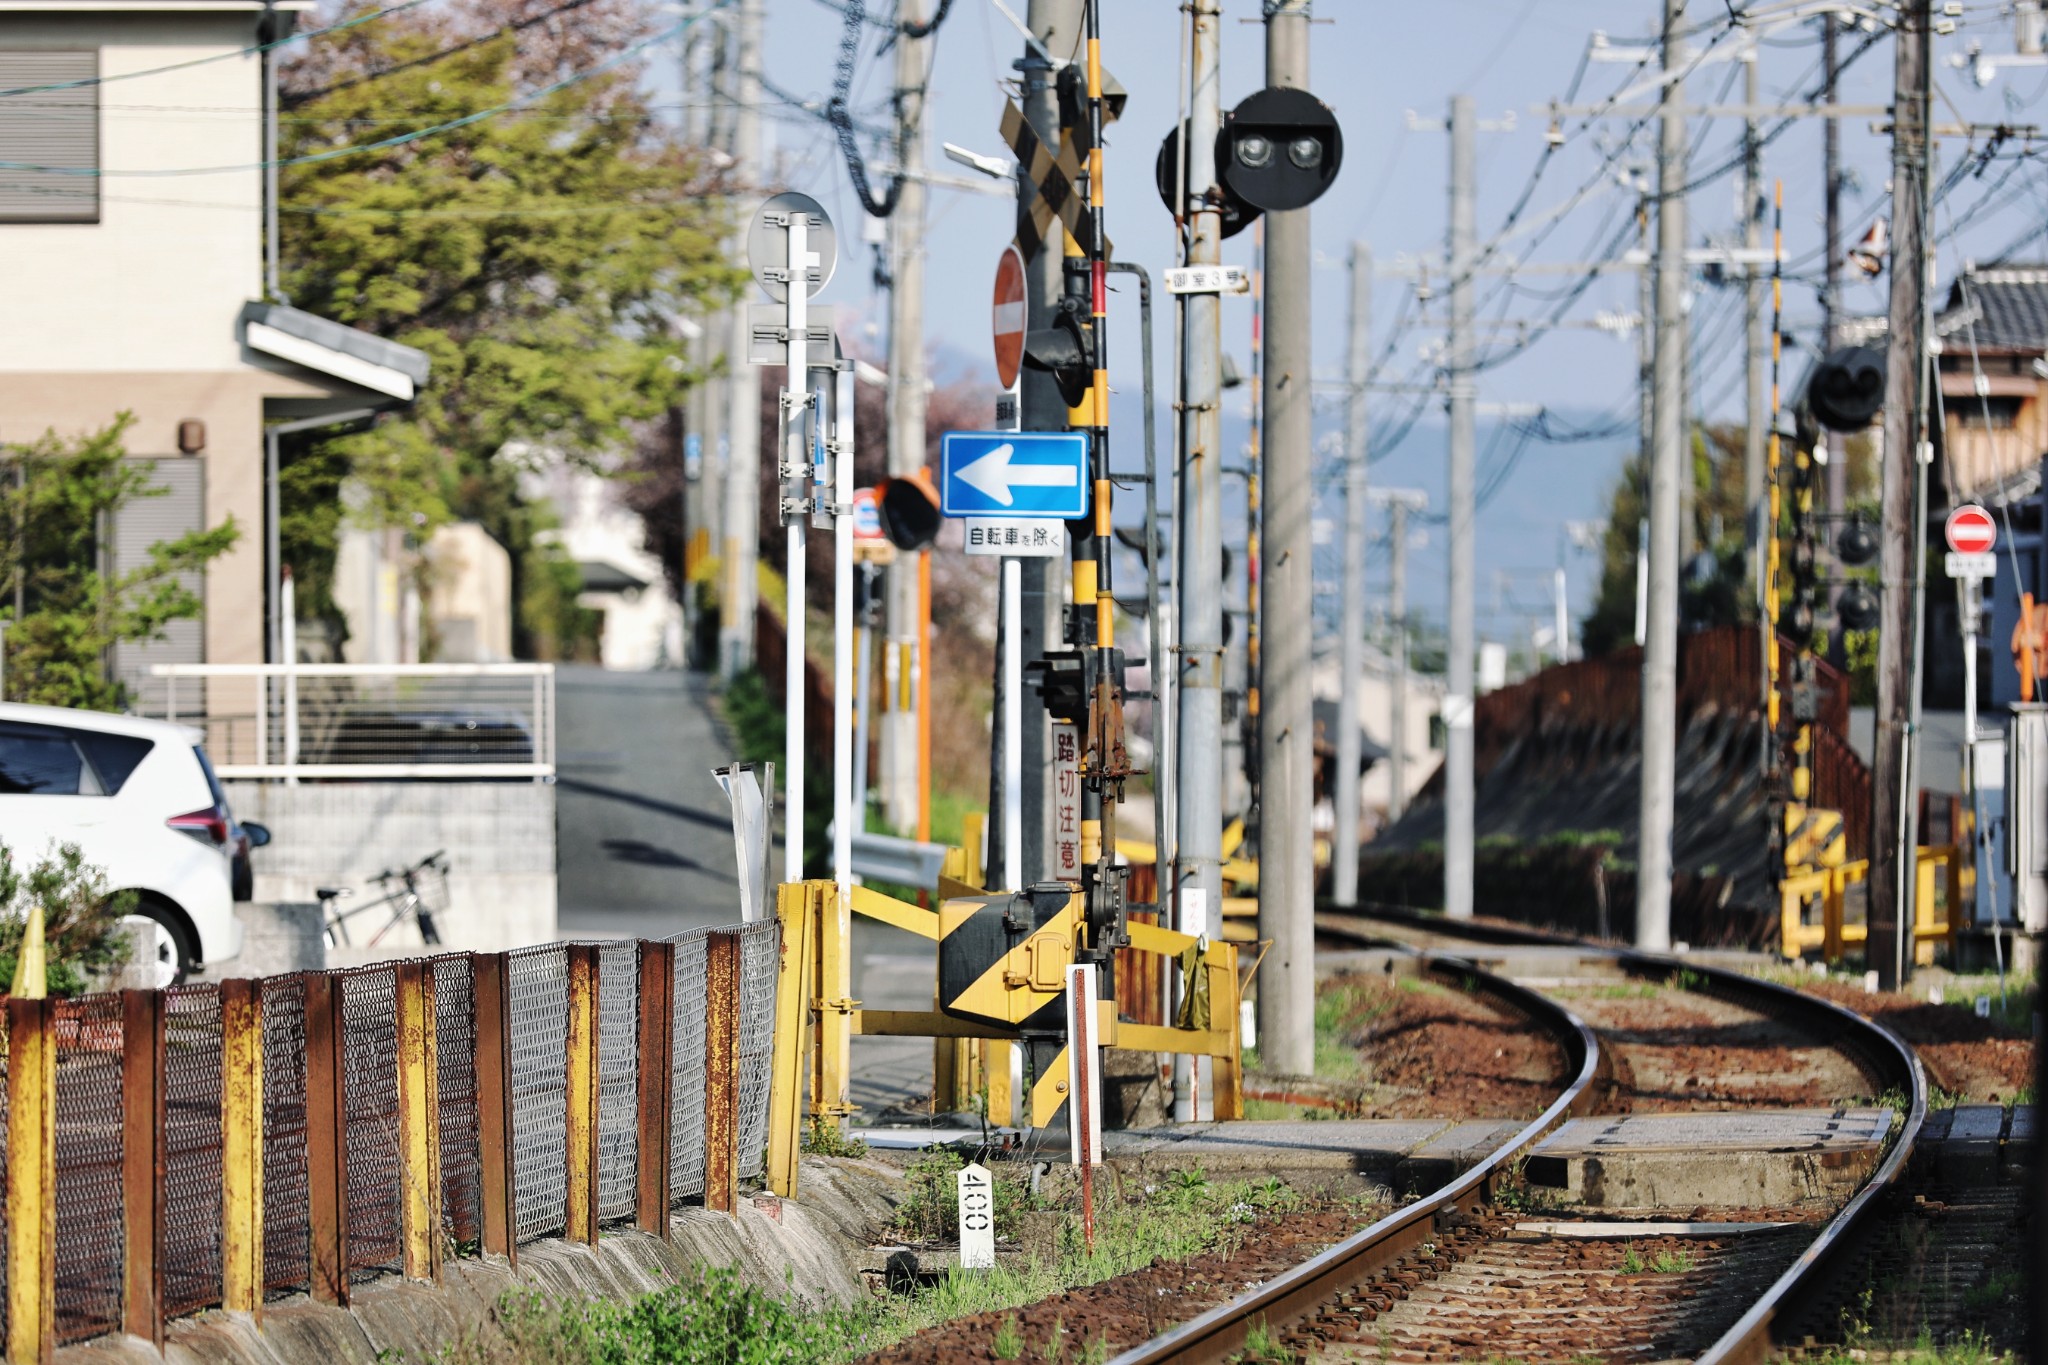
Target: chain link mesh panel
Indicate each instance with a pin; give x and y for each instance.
(369, 1022)
(455, 1097)
(618, 1079)
(287, 1223)
(538, 1001)
(760, 962)
(686, 1074)
(88, 1161)
(192, 1062)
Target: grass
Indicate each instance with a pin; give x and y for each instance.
(2015, 1014)
(824, 1139)
(1968, 1349)
(1668, 1262)
(1008, 1341)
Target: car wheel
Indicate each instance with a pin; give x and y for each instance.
(158, 956)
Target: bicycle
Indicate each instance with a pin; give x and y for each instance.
(409, 898)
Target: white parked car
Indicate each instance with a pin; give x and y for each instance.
(140, 800)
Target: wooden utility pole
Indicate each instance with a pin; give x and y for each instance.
(1892, 834)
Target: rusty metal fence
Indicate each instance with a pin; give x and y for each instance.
(227, 1143)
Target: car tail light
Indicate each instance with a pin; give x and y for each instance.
(208, 826)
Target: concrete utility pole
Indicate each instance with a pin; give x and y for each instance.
(1892, 834)
(1667, 463)
(1755, 351)
(1400, 502)
(1831, 270)
(1344, 846)
(1198, 580)
(704, 408)
(904, 651)
(742, 511)
(1287, 870)
(1458, 696)
(1056, 24)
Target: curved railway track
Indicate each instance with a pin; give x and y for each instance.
(1449, 1276)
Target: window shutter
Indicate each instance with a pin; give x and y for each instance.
(56, 128)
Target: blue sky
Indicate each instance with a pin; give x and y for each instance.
(1374, 64)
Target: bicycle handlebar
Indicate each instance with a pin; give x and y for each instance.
(436, 859)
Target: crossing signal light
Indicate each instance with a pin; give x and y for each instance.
(909, 508)
(1845, 390)
(1280, 149)
(1856, 608)
(1066, 350)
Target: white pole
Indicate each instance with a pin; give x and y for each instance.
(843, 814)
(1013, 724)
(288, 629)
(796, 455)
(1563, 624)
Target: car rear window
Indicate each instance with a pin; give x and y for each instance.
(114, 757)
(39, 760)
(220, 798)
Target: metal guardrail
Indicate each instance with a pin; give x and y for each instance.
(326, 722)
(212, 1144)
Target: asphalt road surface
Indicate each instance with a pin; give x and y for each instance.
(644, 833)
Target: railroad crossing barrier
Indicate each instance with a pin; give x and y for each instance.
(816, 1018)
(1813, 903)
(216, 1145)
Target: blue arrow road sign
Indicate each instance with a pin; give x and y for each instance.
(1014, 474)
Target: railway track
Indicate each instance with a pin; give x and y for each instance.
(1475, 1270)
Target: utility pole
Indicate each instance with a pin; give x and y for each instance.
(1056, 27)
(1831, 269)
(1757, 410)
(1344, 846)
(904, 652)
(1667, 462)
(1287, 868)
(1198, 580)
(1458, 697)
(741, 522)
(1400, 502)
(1892, 834)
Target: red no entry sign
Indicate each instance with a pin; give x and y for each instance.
(1970, 530)
(1009, 315)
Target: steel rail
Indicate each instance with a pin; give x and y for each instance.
(1886, 1059)
(1220, 1333)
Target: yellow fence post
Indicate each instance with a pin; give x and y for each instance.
(795, 911)
(419, 1135)
(143, 1114)
(241, 1146)
(722, 1072)
(835, 1005)
(581, 1134)
(1002, 1100)
(1225, 1017)
(31, 1176)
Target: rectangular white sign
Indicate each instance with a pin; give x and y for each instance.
(977, 1218)
(1084, 1068)
(1066, 789)
(1971, 566)
(1208, 279)
(1022, 537)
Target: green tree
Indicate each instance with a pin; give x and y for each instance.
(540, 256)
(53, 516)
(82, 934)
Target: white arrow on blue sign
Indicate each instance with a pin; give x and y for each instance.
(1014, 474)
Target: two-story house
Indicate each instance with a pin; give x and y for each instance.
(133, 203)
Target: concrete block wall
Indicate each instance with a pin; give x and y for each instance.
(499, 837)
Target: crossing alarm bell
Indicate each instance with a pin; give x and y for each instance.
(1856, 608)
(1280, 149)
(1856, 546)
(1845, 390)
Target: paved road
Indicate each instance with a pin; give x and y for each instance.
(645, 835)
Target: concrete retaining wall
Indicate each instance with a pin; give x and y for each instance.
(813, 1250)
(499, 836)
